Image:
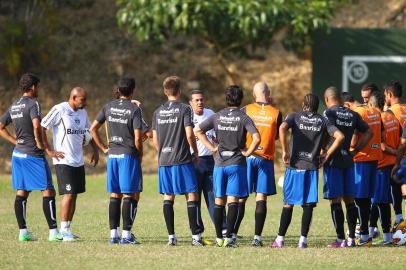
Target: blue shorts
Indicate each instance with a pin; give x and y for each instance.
(30, 173)
(382, 191)
(177, 179)
(124, 174)
(365, 178)
(338, 182)
(230, 181)
(300, 186)
(261, 176)
(401, 173)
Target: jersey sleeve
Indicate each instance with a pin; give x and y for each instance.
(250, 125)
(207, 124)
(154, 127)
(331, 129)
(101, 116)
(188, 117)
(52, 118)
(35, 111)
(137, 119)
(290, 120)
(6, 118)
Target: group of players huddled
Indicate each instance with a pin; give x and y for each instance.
(223, 156)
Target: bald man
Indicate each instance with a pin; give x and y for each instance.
(260, 166)
(69, 123)
(339, 176)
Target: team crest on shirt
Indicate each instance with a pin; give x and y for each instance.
(68, 187)
(77, 121)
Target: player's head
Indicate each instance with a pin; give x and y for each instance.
(377, 100)
(366, 91)
(347, 99)
(262, 93)
(332, 96)
(196, 100)
(393, 92)
(126, 86)
(234, 95)
(29, 83)
(310, 103)
(172, 86)
(77, 98)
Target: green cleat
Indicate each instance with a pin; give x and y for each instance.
(57, 237)
(230, 243)
(28, 236)
(219, 242)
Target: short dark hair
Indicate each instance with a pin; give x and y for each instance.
(311, 103)
(195, 92)
(126, 86)
(234, 95)
(370, 87)
(28, 80)
(347, 97)
(380, 99)
(172, 85)
(395, 87)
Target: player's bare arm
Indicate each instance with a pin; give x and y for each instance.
(95, 156)
(256, 140)
(6, 135)
(283, 133)
(358, 144)
(191, 138)
(94, 129)
(36, 124)
(201, 136)
(48, 149)
(138, 142)
(338, 140)
(155, 141)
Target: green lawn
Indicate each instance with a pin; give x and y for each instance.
(93, 251)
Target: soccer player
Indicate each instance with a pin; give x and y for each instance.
(124, 177)
(393, 92)
(29, 168)
(399, 170)
(365, 164)
(367, 90)
(309, 130)
(204, 169)
(382, 194)
(172, 128)
(69, 122)
(230, 172)
(260, 165)
(338, 176)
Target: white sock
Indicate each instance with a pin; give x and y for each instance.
(303, 240)
(64, 226)
(113, 233)
(224, 231)
(258, 237)
(387, 237)
(197, 237)
(118, 231)
(371, 231)
(23, 231)
(398, 218)
(126, 234)
(172, 236)
(340, 240)
(280, 239)
(53, 231)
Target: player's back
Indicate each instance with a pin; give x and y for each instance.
(392, 137)
(122, 117)
(169, 121)
(399, 110)
(22, 112)
(372, 151)
(267, 120)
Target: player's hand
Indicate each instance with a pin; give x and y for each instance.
(55, 154)
(95, 158)
(146, 135)
(214, 150)
(286, 157)
(323, 159)
(105, 151)
(244, 153)
(195, 160)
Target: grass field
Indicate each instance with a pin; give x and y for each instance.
(94, 252)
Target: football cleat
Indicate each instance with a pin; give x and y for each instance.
(197, 243)
(384, 243)
(129, 240)
(206, 241)
(257, 243)
(363, 243)
(337, 244)
(351, 243)
(171, 242)
(115, 240)
(56, 237)
(230, 243)
(28, 236)
(68, 237)
(277, 244)
(375, 234)
(302, 245)
(219, 242)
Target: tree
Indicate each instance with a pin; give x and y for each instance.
(227, 26)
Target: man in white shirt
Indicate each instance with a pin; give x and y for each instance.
(69, 123)
(204, 169)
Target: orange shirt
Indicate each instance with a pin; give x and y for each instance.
(372, 151)
(265, 118)
(392, 138)
(399, 110)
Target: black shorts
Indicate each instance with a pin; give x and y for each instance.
(71, 180)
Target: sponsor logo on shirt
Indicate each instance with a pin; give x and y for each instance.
(75, 131)
(68, 187)
(227, 153)
(167, 150)
(375, 146)
(306, 155)
(231, 128)
(228, 119)
(169, 112)
(19, 155)
(310, 128)
(116, 139)
(167, 121)
(17, 107)
(20, 141)
(344, 123)
(310, 120)
(117, 120)
(121, 112)
(17, 115)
